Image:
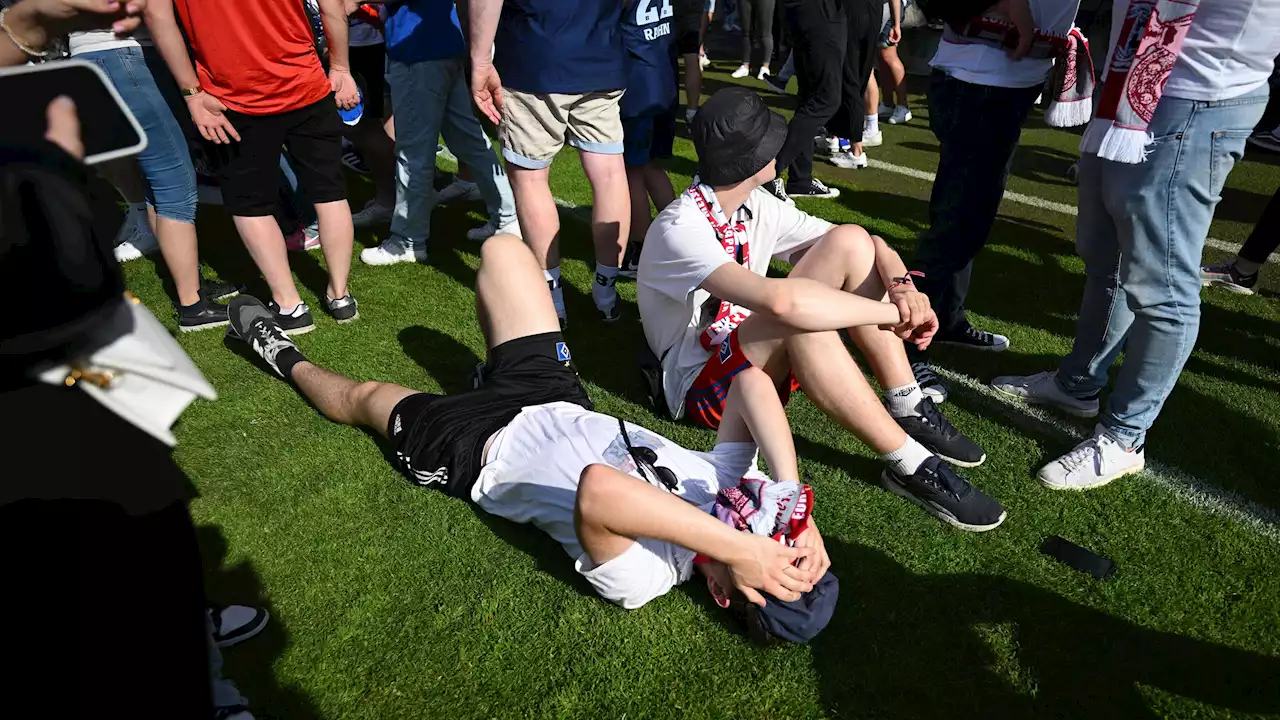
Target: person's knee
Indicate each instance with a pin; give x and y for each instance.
(503, 249)
(358, 403)
(851, 245)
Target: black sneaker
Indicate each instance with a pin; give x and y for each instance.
(932, 429)
(259, 326)
(812, 188)
(344, 309)
(233, 624)
(204, 315)
(930, 384)
(973, 339)
(942, 493)
(777, 84)
(778, 189)
(1229, 277)
(296, 323)
(218, 290)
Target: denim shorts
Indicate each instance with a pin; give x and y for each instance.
(140, 76)
(888, 23)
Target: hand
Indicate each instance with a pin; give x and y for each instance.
(917, 323)
(345, 91)
(895, 34)
(1018, 12)
(486, 90)
(64, 126)
(67, 16)
(207, 112)
(767, 565)
(817, 564)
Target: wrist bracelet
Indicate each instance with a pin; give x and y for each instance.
(192, 91)
(906, 279)
(30, 51)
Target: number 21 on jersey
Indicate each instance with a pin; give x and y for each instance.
(648, 11)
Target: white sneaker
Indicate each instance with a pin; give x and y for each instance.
(372, 215)
(704, 61)
(1093, 463)
(870, 140)
(848, 160)
(901, 114)
(834, 146)
(394, 250)
(1042, 389)
(764, 72)
(135, 238)
(487, 230)
(459, 191)
(884, 110)
(741, 72)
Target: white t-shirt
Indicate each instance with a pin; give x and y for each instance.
(83, 42)
(1230, 49)
(680, 250)
(984, 64)
(532, 477)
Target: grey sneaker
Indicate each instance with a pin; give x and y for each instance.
(343, 309)
(1042, 389)
(259, 326)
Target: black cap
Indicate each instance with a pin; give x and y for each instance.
(735, 135)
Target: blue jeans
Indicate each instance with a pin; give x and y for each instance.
(431, 99)
(139, 75)
(1140, 232)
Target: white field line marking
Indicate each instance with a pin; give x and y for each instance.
(1196, 492)
(1192, 490)
(1041, 203)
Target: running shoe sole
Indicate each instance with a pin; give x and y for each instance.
(206, 326)
(1106, 480)
(971, 346)
(962, 463)
(299, 330)
(1076, 412)
(1228, 286)
(935, 511)
(245, 634)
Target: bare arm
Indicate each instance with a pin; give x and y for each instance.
(612, 510)
(169, 42)
(35, 23)
(333, 14)
(486, 86)
(802, 303)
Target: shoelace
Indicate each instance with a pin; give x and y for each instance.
(819, 186)
(929, 412)
(924, 374)
(1082, 454)
(779, 189)
(269, 341)
(941, 477)
(981, 336)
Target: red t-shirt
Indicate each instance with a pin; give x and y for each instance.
(258, 57)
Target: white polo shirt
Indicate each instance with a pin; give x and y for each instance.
(680, 250)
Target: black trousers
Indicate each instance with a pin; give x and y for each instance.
(1265, 237)
(756, 18)
(834, 42)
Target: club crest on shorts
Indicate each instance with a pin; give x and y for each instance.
(562, 352)
(726, 350)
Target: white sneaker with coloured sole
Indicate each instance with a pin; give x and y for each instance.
(1091, 464)
(1042, 389)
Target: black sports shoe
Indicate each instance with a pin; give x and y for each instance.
(941, 492)
(929, 382)
(218, 290)
(343, 309)
(778, 189)
(295, 323)
(259, 326)
(206, 314)
(812, 188)
(973, 339)
(932, 429)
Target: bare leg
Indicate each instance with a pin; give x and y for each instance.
(512, 299)
(337, 236)
(753, 413)
(178, 246)
(611, 210)
(390, 127)
(265, 243)
(658, 183)
(346, 401)
(896, 74)
(640, 216)
(536, 209)
(693, 80)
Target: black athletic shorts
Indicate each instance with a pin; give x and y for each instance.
(249, 170)
(688, 25)
(369, 66)
(439, 438)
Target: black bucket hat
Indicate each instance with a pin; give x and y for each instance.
(735, 135)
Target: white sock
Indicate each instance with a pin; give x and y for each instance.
(605, 290)
(908, 458)
(904, 400)
(872, 125)
(557, 293)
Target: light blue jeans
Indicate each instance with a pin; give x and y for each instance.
(1140, 232)
(431, 99)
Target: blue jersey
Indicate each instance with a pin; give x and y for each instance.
(559, 46)
(651, 77)
(421, 30)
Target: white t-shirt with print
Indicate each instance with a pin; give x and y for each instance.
(1230, 49)
(680, 250)
(983, 64)
(537, 460)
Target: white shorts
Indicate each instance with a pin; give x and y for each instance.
(648, 569)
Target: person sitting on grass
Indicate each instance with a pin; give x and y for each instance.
(710, 313)
(629, 507)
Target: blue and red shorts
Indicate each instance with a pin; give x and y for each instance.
(704, 403)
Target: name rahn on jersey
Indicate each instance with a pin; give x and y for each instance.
(654, 33)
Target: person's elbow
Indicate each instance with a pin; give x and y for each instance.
(779, 298)
(595, 486)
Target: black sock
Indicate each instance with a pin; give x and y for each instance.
(192, 309)
(286, 359)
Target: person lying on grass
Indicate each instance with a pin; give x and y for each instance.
(636, 512)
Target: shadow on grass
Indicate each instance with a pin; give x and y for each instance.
(250, 665)
(1037, 163)
(903, 645)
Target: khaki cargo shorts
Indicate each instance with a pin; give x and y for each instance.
(535, 126)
